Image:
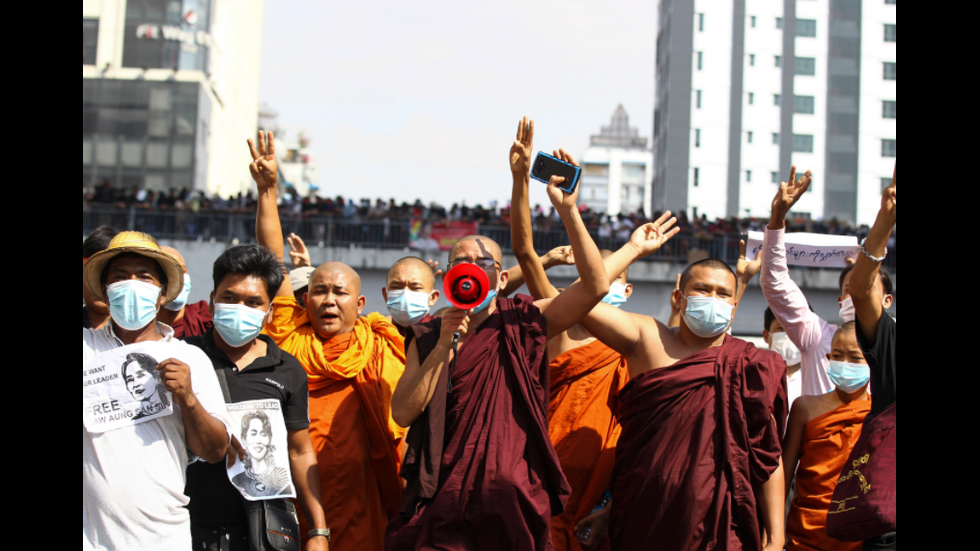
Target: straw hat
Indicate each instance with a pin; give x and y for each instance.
(139, 243)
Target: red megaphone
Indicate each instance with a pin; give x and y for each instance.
(466, 286)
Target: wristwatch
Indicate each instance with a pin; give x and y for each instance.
(325, 532)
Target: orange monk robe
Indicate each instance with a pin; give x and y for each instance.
(351, 378)
(582, 424)
(827, 442)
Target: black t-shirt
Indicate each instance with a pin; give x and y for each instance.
(278, 376)
(881, 359)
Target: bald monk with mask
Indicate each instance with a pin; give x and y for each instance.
(698, 461)
(481, 470)
(409, 292)
(187, 320)
(352, 363)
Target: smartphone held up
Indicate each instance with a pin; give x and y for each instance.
(545, 166)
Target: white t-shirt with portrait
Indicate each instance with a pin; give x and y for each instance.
(133, 477)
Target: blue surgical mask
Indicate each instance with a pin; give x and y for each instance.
(707, 316)
(133, 303)
(407, 307)
(486, 302)
(238, 324)
(616, 295)
(847, 376)
(176, 304)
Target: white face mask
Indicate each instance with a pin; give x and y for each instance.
(847, 310)
(782, 345)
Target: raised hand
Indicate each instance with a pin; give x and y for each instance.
(559, 198)
(434, 264)
(520, 152)
(787, 196)
(744, 269)
(264, 168)
(889, 200)
(649, 237)
(298, 253)
(558, 256)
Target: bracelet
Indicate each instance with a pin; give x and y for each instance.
(325, 532)
(873, 257)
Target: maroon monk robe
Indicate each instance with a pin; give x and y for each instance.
(481, 470)
(195, 322)
(696, 437)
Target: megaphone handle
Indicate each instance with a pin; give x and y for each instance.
(449, 378)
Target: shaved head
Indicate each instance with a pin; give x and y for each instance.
(331, 268)
(606, 253)
(709, 263)
(413, 267)
(849, 328)
(173, 252)
(489, 247)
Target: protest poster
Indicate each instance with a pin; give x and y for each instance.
(438, 236)
(122, 387)
(264, 473)
(810, 249)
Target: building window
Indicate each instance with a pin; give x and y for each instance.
(779, 22)
(803, 105)
(885, 182)
(749, 136)
(748, 175)
(700, 59)
(806, 28)
(696, 174)
(697, 99)
(890, 31)
(752, 21)
(701, 22)
(777, 100)
(889, 148)
(90, 40)
(891, 70)
(888, 109)
(752, 60)
(697, 137)
(779, 61)
(892, 2)
(806, 66)
(802, 143)
(774, 177)
(775, 138)
(751, 98)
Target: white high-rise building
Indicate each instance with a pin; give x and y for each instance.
(616, 169)
(170, 92)
(747, 88)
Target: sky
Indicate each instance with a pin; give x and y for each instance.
(422, 99)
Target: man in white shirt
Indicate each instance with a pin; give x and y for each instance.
(133, 476)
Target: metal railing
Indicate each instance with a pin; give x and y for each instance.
(239, 227)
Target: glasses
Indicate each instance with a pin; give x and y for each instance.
(484, 263)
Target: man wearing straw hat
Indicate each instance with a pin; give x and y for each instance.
(133, 475)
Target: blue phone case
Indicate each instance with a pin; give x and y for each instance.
(569, 187)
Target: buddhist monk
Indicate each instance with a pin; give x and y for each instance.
(586, 375)
(352, 363)
(698, 460)
(482, 472)
(821, 434)
(187, 320)
(409, 292)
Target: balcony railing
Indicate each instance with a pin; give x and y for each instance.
(385, 234)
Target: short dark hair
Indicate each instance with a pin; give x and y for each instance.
(715, 263)
(886, 278)
(769, 317)
(161, 274)
(98, 240)
(250, 260)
